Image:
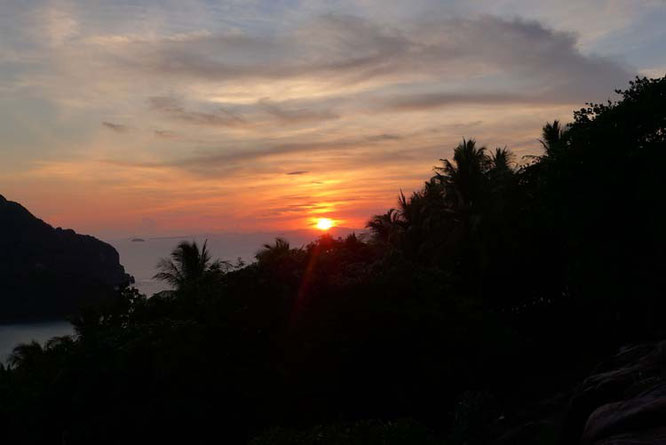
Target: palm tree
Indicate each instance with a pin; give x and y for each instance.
(385, 227)
(464, 178)
(502, 173)
(552, 138)
(25, 354)
(502, 160)
(468, 184)
(188, 264)
(270, 252)
(65, 343)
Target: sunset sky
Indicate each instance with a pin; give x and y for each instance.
(122, 118)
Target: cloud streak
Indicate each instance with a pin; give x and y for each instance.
(171, 108)
(118, 128)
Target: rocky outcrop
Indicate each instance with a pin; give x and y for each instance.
(48, 272)
(624, 402)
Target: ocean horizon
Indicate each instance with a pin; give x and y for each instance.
(140, 258)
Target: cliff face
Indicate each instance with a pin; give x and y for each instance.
(47, 272)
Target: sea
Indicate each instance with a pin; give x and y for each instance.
(140, 255)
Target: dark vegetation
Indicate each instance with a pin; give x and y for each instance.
(468, 315)
(47, 273)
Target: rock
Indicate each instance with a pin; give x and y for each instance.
(46, 273)
(624, 402)
(643, 412)
(654, 436)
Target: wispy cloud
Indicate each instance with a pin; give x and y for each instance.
(171, 108)
(166, 134)
(340, 49)
(118, 128)
(285, 114)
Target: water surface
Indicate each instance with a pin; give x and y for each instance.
(140, 259)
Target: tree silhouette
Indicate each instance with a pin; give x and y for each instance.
(502, 161)
(187, 266)
(552, 138)
(25, 355)
(386, 228)
(464, 178)
(273, 252)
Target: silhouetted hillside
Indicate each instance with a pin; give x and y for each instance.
(47, 272)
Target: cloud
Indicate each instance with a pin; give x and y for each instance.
(223, 158)
(263, 112)
(118, 128)
(284, 114)
(343, 49)
(319, 70)
(166, 134)
(212, 161)
(384, 137)
(172, 108)
(59, 23)
(420, 102)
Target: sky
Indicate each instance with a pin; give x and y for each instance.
(124, 118)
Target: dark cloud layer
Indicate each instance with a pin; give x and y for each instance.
(344, 49)
(483, 60)
(408, 102)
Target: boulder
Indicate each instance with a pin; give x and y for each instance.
(624, 402)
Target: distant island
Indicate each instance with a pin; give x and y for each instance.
(48, 273)
(138, 240)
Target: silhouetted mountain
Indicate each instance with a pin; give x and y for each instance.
(47, 272)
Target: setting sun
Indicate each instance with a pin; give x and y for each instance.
(324, 223)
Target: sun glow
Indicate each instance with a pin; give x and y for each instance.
(324, 223)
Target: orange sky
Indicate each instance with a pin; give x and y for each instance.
(257, 116)
(274, 192)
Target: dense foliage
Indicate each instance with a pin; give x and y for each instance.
(494, 287)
